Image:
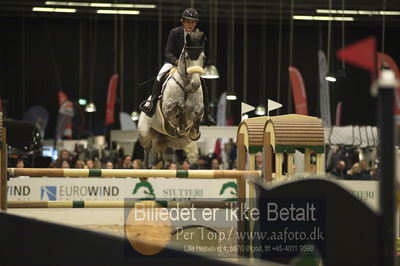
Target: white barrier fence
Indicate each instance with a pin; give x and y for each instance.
(63, 189)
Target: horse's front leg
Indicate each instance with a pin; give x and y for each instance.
(180, 106)
(172, 109)
(159, 162)
(146, 158)
(169, 110)
(175, 112)
(145, 162)
(194, 133)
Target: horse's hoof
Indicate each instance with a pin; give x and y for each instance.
(159, 164)
(181, 133)
(194, 135)
(143, 179)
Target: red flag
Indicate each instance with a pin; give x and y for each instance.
(217, 148)
(338, 114)
(62, 97)
(386, 60)
(361, 53)
(299, 92)
(112, 91)
(229, 121)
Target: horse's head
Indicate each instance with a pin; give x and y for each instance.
(193, 57)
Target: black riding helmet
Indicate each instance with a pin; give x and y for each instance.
(190, 13)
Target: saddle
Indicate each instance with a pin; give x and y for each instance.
(166, 77)
(171, 71)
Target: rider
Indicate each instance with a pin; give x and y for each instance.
(173, 49)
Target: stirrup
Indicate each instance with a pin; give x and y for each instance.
(148, 110)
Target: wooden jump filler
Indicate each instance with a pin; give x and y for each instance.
(277, 136)
(249, 141)
(274, 137)
(287, 133)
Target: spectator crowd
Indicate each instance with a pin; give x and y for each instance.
(346, 168)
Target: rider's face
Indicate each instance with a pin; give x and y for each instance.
(189, 24)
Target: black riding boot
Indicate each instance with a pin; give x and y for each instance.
(208, 117)
(149, 106)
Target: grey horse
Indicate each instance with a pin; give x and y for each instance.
(178, 113)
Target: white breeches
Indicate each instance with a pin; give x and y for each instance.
(166, 67)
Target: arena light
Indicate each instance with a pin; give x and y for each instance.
(298, 17)
(368, 12)
(322, 18)
(144, 6)
(260, 110)
(90, 108)
(211, 72)
(343, 18)
(100, 4)
(389, 13)
(123, 5)
(135, 116)
(78, 4)
(334, 11)
(49, 9)
(65, 10)
(119, 12)
(59, 3)
(330, 77)
(55, 3)
(43, 9)
(358, 12)
(82, 101)
(231, 96)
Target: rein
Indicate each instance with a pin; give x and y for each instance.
(186, 76)
(140, 85)
(183, 87)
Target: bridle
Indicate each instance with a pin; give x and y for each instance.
(190, 52)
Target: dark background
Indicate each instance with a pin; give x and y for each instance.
(42, 53)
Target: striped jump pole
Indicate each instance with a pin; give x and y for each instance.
(133, 173)
(122, 204)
